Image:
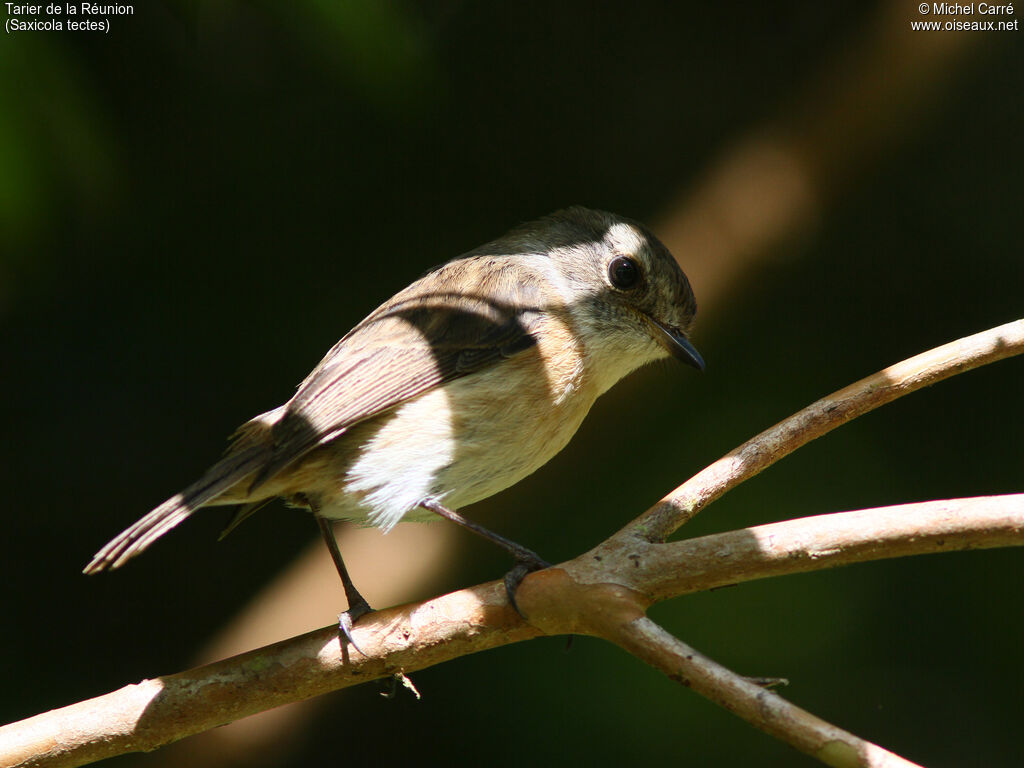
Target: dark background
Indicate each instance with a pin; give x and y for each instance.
(194, 207)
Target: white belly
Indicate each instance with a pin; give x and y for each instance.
(457, 444)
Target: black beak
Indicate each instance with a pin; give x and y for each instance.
(677, 344)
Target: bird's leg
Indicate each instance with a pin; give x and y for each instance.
(357, 605)
(527, 560)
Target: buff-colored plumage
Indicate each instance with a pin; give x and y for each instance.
(457, 387)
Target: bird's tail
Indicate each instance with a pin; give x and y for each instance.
(217, 480)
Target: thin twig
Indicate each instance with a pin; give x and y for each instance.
(830, 541)
(757, 705)
(821, 417)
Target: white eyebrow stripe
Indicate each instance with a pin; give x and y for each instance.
(624, 237)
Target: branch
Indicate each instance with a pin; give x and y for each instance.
(582, 596)
(758, 706)
(604, 592)
(820, 418)
(156, 712)
(830, 541)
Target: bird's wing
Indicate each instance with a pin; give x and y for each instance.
(408, 346)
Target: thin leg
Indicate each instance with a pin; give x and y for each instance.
(527, 560)
(357, 605)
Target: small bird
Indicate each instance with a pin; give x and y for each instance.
(457, 387)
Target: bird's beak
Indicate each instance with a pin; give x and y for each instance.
(675, 341)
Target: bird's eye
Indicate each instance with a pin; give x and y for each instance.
(624, 272)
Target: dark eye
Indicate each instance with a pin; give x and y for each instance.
(624, 272)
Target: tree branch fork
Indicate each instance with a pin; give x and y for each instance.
(604, 592)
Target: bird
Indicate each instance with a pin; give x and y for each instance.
(457, 387)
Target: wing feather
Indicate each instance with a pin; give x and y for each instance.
(415, 342)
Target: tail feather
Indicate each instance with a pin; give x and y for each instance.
(218, 479)
(244, 513)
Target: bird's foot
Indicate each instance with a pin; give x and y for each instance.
(526, 562)
(346, 619)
